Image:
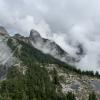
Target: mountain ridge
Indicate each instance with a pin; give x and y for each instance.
(40, 76)
(50, 47)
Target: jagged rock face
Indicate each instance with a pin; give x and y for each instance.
(3, 31)
(34, 34)
(6, 55)
(35, 37)
(49, 47)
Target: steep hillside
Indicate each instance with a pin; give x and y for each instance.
(35, 75)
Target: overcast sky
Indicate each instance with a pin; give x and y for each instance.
(68, 22)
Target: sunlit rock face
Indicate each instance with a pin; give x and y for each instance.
(49, 47)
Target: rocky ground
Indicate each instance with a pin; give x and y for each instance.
(81, 86)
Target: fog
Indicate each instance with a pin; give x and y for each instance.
(67, 22)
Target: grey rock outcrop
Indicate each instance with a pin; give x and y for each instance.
(49, 47)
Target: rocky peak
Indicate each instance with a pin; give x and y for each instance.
(34, 34)
(3, 31)
(49, 47)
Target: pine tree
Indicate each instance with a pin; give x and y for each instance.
(92, 96)
(55, 77)
(70, 96)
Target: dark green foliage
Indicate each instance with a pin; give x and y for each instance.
(97, 74)
(35, 84)
(92, 96)
(3, 71)
(55, 77)
(70, 96)
(13, 87)
(11, 44)
(39, 84)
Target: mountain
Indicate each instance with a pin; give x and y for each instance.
(6, 55)
(30, 69)
(49, 47)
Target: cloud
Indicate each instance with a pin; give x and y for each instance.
(67, 22)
